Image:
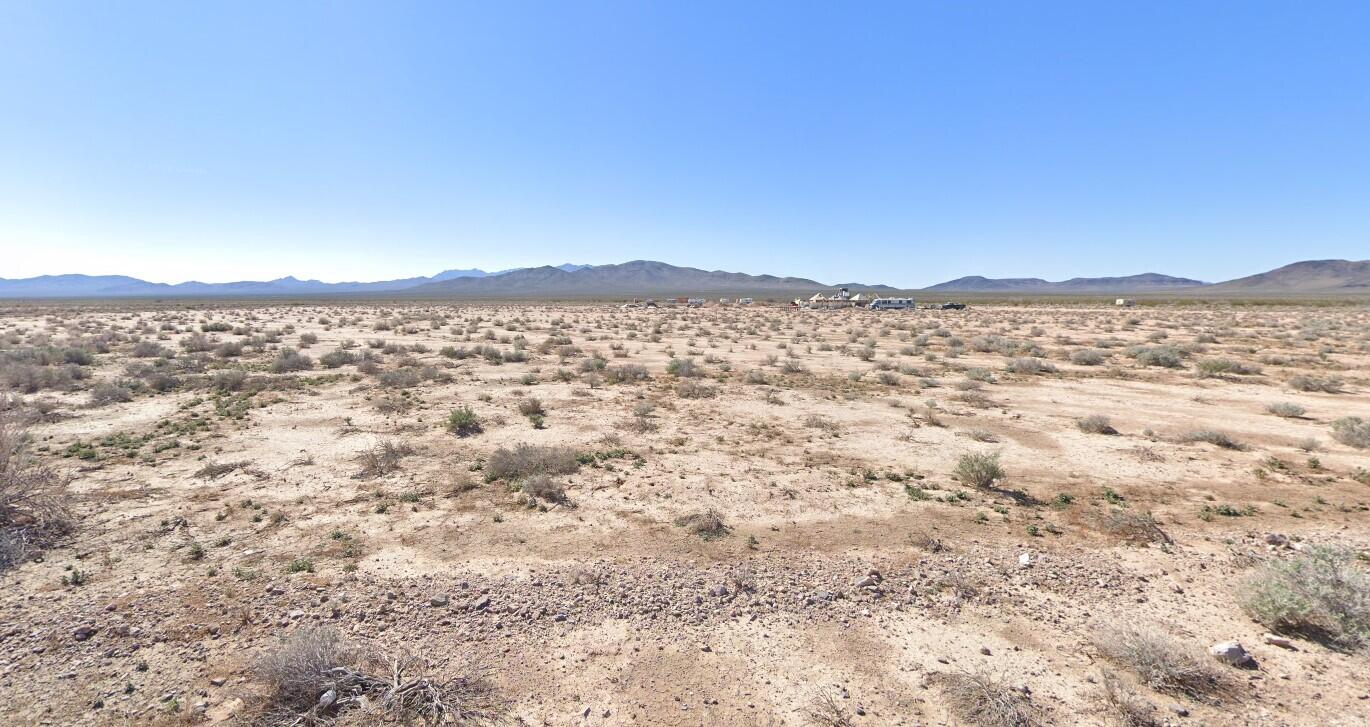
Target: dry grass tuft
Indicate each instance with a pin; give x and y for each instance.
(32, 497)
(1163, 663)
(313, 678)
(1124, 705)
(382, 459)
(981, 699)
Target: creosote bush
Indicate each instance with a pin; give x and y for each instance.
(463, 422)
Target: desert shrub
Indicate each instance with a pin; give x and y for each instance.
(1211, 367)
(531, 407)
(382, 458)
(149, 349)
(288, 359)
(314, 678)
(695, 390)
(33, 509)
(334, 359)
(1286, 409)
(229, 349)
(1164, 356)
(682, 367)
(984, 700)
(1352, 431)
(542, 487)
(1133, 527)
(1162, 662)
(463, 422)
(1124, 704)
(1087, 357)
(755, 377)
(527, 460)
(230, 380)
(707, 524)
(1215, 438)
(109, 393)
(626, 373)
(979, 470)
(1302, 382)
(403, 378)
(1029, 366)
(1322, 594)
(308, 339)
(1096, 424)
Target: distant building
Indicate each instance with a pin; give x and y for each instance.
(843, 298)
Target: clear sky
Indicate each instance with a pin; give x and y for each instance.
(902, 143)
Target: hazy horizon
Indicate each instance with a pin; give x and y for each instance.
(904, 144)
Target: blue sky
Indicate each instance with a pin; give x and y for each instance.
(903, 143)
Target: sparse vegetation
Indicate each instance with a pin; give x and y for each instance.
(1321, 594)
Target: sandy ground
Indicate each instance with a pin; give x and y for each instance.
(853, 565)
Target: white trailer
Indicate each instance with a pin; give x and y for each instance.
(892, 304)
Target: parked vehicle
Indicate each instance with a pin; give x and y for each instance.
(951, 306)
(892, 304)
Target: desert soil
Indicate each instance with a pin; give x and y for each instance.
(219, 513)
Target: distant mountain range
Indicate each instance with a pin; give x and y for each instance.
(121, 286)
(644, 278)
(1146, 282)
(1310, 276)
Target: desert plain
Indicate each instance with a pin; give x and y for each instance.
(543, 514)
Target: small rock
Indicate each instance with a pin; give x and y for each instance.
(1232, 653)
(439, 600)
(1024, 560)
(1279, 641)
(83, 633)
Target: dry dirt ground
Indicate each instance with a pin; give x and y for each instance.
(771, 534)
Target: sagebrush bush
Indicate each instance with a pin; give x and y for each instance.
(1286, 409)
(1211, 367)
(1352, 431)
(1302, 382)
(527, 460)
(1215, 438)
(979, 470)
(288, 359)
(1096, 424)
(334, 359)
(1322, 594)
(1087, 357)
(1029, 366)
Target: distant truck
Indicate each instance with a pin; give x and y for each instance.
(892, 304)
(951, 306)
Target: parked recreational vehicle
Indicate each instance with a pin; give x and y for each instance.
(892, 304)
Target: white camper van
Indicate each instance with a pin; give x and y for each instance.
(892, 304)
